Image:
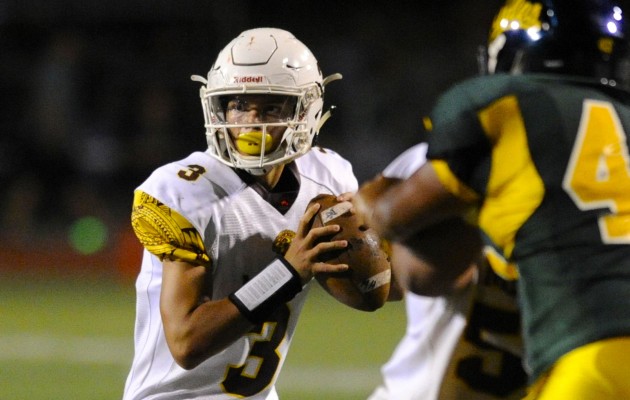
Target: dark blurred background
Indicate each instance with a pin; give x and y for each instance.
(97, 94)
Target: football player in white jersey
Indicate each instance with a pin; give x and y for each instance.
(228, 256)
(434, 324)
(441, 355)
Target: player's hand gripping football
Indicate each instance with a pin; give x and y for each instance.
(308, 244)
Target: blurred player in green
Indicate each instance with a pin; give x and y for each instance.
(538, 148)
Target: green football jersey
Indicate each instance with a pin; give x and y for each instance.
(547, 162)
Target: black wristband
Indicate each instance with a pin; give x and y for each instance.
(278, 283)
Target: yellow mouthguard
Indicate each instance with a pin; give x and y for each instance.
(250, 142)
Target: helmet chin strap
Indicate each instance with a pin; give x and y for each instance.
(324, 118)
(258, 171)
(198, 78)
(327, 114)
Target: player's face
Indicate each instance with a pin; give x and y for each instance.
(254, 111)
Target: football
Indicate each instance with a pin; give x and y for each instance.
(365, 285)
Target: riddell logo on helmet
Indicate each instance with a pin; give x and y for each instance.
(247, 79)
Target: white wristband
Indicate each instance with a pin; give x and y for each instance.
(264, 285)
(278, 283)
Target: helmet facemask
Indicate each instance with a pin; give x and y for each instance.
(296, 139)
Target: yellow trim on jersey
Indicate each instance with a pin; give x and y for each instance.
(457, 188)
(282, 242)
(427, 123)
(452, 183)
(515, 189)
(598, 370)
(166, 233)
(500, 265)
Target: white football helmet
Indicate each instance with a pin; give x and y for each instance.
(264, 61)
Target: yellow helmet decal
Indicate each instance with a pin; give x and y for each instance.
(516, 14)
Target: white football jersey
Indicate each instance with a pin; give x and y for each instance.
(416, 368)
(238, 228)
(435, 359)
(434, 324)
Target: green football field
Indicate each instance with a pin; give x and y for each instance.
(72, 339)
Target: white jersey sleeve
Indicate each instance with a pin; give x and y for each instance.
(407, 163)
(434, 324)
(416, 368)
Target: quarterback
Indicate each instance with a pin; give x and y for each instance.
(229, 256)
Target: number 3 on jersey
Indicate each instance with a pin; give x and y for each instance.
(598, 174)
(263, 360)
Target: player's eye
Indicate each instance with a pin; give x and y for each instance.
(274, 111)
(268, 107)
(236, 105)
